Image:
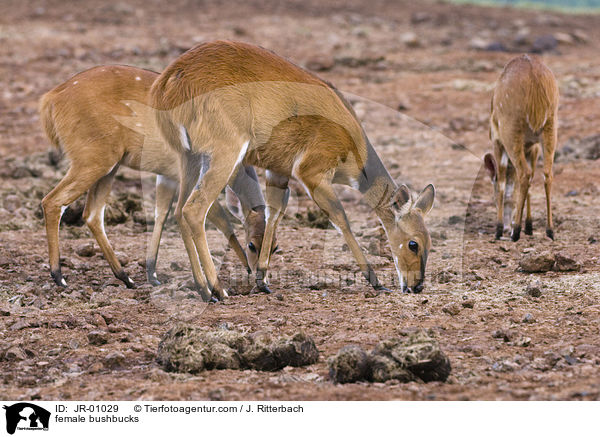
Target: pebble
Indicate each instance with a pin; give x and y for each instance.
(85, 250)
(534, 290)
(98, 338)
(452, 308)
(114, 359)
(533, 262)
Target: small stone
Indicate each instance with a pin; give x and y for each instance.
(85, 250)
(100, 322)
(504, 366)
(523, 342)
(564, 38)
(468, 303)
(544, 43)
(455, 219)
(19, 325)
(565, 263)
(504, 334)
(15, 353)
(114, 359)
(410, 39)
(528, 318)
(98, 338)
(536, 262)
(96, 367)
(452, 308)
(534, 290)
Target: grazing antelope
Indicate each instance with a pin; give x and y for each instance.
(236, 102)
(523, 113)
(100, 119)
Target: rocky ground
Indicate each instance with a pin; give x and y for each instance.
(518, 320)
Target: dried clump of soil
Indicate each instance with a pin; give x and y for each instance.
(415, 358)
(191, 350)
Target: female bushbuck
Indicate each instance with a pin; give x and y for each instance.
(236, 102)
(523, 112)
(100, 118)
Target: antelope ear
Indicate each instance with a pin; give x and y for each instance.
(425, 200)
(490, 165)
(400, 198)
(233, 204)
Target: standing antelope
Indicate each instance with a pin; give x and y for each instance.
(236, 102)
(523, 113)
(101, 120)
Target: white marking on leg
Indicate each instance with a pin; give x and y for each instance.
(62, 210)
(183, 137)
(63, 282)
(242, 154)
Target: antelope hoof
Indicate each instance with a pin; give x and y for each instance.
(516, 233)
(151, 273)
(58, 278)
(381, 289)
(528, 227)
(152, 279)
(550, 234)
(499, 229)
(219, 292)
(262, 287)
(126, 279)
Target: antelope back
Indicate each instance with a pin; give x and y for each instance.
(223, 90)
(526, 95)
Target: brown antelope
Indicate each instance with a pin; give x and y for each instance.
(100, 119)
(523, 113)
(236, 102)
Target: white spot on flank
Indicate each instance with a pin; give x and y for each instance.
(138, 124)
(75, 83)
(138, 78)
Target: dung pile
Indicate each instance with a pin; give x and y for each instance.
(415, 358)
(191, 350)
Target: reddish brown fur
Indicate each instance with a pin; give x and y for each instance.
(523, 112)
(232, 95)
(100, 119)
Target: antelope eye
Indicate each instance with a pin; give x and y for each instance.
(275, 249)
(252, 247)
(413, 246)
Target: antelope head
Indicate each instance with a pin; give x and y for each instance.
(407, 234)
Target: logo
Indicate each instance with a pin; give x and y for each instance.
(26, 416)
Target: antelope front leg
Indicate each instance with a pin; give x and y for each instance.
(220, 168)
(502, 162)
(326, 199)
(165, 193)
(278, 195)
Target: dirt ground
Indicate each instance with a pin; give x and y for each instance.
(422, 89)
